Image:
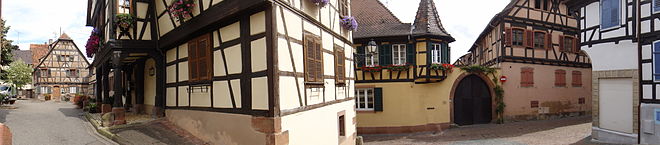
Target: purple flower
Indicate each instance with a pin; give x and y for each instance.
(349, 23)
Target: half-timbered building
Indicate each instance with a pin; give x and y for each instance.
(533, 45)
(622, 38)
(62, 72)
(397, 88)
(230, 71)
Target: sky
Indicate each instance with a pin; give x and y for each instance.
(36, 21)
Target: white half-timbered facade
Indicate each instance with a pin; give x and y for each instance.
(274, 71)
(62, 72)
(608, 30)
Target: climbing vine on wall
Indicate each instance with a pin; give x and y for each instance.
(499, 92)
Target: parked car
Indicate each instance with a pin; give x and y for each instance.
(9, 94)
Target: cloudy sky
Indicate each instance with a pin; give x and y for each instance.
(36, 21)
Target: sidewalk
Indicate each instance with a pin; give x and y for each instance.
(154, 132)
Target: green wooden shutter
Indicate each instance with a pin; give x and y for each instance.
(378, 99)
(385, 54)
(429, 47)
(361, 58)
(410, 54)
(445, 53)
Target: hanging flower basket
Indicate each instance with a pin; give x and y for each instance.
(93, 43)
(124, 20)
(181, 9)
(442, 67)
(349, 23)
(321, 3)
(399, 67)
(376, 68)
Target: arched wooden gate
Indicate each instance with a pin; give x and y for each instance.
(472, 102)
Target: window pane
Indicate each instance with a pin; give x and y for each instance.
(539, 40)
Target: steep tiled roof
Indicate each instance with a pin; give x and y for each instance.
(375, 20)
(65, 37)
(427, 20)
(38, 51)
(24, 55)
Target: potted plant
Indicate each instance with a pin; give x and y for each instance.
(124, 20)
(181, 9)
(93, 43)
(321, 3)
(349, 23)
(399, 67)
(46, 97)
(93, 107)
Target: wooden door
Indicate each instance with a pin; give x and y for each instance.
(472, 102)
(56, 93)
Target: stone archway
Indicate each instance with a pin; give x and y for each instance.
(472, 100)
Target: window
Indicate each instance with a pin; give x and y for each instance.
(568, 44)
(610, 11)
(340, 66)
(199, 59)
(527, 77)
(44, 72)
(517, 36)
(371, 59)
(560, 78)
(656, 5)
(541, 4)
(577, 79)
(656, 61)
(343, 7)
(64, 90)
(342, 125)
(73, 90)
(436, 53)
(124, 6)
(45, 90)
(313, 59)
(72, 73)
(539, 40)
(399, 54)
(365, 99)
(65, 58)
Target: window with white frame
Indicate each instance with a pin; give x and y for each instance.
(656, 61)
(364, 99)
(610, 13)
(399, 54)
(436, 53)
(45, 89)
(73, 90)
(371, 58)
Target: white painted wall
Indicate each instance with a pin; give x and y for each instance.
(610, 56)
(615, 105)
(319, 126)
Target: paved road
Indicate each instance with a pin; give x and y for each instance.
(49, 123)
(546, 132)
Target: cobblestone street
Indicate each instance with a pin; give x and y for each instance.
(546, 132)
(49, 123)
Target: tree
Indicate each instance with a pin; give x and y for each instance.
(6, 49)
(19, 74)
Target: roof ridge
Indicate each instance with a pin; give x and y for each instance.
(390, 11)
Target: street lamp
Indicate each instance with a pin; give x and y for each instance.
(372, 49)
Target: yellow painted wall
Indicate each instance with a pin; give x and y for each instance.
(405, 104)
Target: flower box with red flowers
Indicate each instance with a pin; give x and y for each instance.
(376, 68)
(442, 67)
(399, 67)
(182, 9)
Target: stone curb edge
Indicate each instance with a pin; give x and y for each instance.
(104, 131)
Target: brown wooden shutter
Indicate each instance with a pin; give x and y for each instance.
(561, 43)
(308, 54)
(527, 77)
(508, 36)
(576, 45)
(548, 40)
(530, 38)
(560, 78)
(577, 79)
(319, 60)
(202, 58)
(340, 70)
(192, 60)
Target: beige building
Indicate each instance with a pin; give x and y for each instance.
(534, 46)
(62, 72)
(230, 72)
